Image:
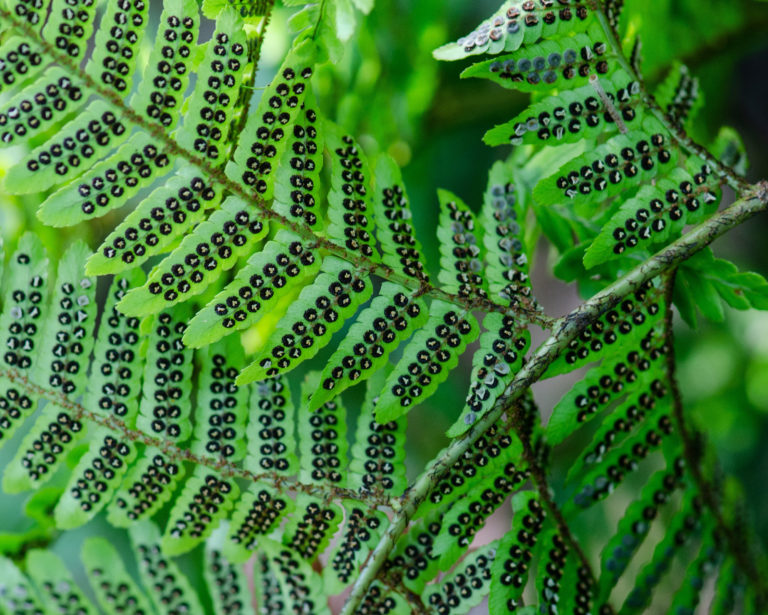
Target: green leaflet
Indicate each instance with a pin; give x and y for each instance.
(34, 13)
(57, 588)
(461, 241)
(270, 432)
(688, 596)
(166, 215)
(323, 441)
(212, 248)
(402, 250)
(466, 586)
(503, 213)
(117, 44)
(554, 566)
(427, 360)
(250, 10)
(360, 534)
(268, 278)
(413, 559)
(17, 594)
(727, 588)
(390, 318)
(212, 103)
(657, 213)
(19, 61)
(69, 26)
(40, 106)
(107, 185)
(564, 63)
(679, 95)
(572, 115)
(265, 136)
(169, 590)
(80, 143)
(517, 24)
(297, 179)
(619, 374)
(115, 589)
(494, 365)
(257, 515)
(228, 585)
(509, 572)
(379, 599)
(15, 408)
(174, 56)
(267, 585)
(350, 206)
(311, 527)
(222, 407)
(204, 501)
(320, 310)
(625, 161)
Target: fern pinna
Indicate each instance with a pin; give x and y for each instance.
(266, 219)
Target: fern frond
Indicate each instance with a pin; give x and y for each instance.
(465, 586)
(271, 427)
(57, 588)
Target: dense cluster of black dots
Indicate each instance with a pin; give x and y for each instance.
(211, 127)
(578, 116)
(50, 442)
(381, 448)
(158, 473)
(615, 324)
(470, 578)
(529, 14)
(284, 105)
(262, 285)
(26, 311)
(44, 104)
(168, 78)
(359, 529)
(505, 351)
(327, 304)
(31, 11)
(416, 556)
(178, 278)
(510, 250)
(226, 584)
(20, 58)
(573, 62)
(289, 570)
(312, 529)
(161, 221)
(96, 480)
(395, 319)
(516, 557)
(270, 596)
(65, 597)
(19, 600)
(611, 169)
(118, 594)
(269, 443)
(223, 428)
(305, 159)
(377, 602)
(264, 513)
(68, 350)
(673, 207)
(324, 453)
(15, 407)
(203, 508)
(482, 501)
(402, 234)
(163, 580)
(554, 558)
(89, 137)
(70, 28)
(354, 197)
(118, 56)
(466, 254)
(622, 463)
(130, 173)
(584, 592)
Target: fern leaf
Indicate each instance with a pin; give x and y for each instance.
(625, 161)
(402, 250)
(169, 590)
(350, 207)
(436, 349)
(167, 214)
(519, 23)
(494, 364)
(378, 599)
(257, 515)
(115, 589)
(228, 585)
(212, 248)
(266, 133)
(40, 106)
(33, 13)
(679, 95)
(461, 242)
(17, 594)
(57, 588)
(267, 586)
(297, 180)
(68, 29)
(413, 558)
(19, 61)
(572, 115)
(554, 567)
(320, 310)
(564, 63)
(270, 275)
(311, 527)
(689, 594)
(391, 317)
(271, 428)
